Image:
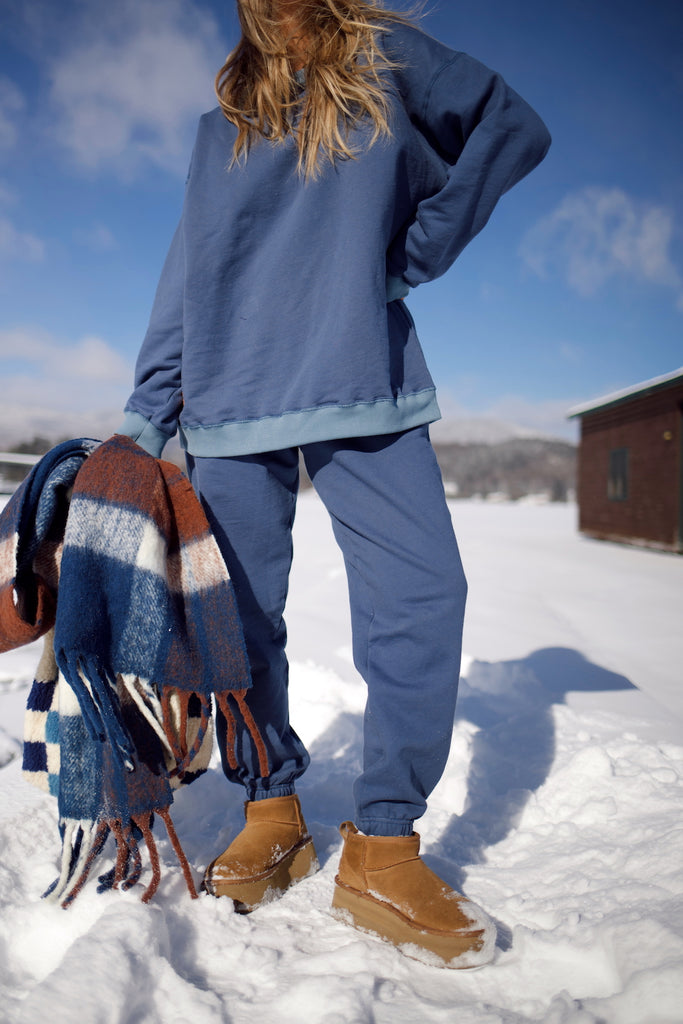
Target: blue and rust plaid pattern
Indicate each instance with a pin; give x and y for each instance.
(41, 725)
(120, 573)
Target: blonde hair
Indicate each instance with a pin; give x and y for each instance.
(337, 44)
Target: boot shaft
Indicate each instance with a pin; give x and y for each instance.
(285, 810)
(363, 855)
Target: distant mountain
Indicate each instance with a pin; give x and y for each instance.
(475, 430)
(513, 468)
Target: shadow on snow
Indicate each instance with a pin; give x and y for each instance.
(511, 756)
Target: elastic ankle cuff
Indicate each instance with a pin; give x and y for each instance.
(266, 794)
(384, 827)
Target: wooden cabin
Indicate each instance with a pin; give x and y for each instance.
(630, 467)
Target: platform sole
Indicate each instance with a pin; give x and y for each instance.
(250, 893)
(456, 950)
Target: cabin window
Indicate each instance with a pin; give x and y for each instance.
(617, 475)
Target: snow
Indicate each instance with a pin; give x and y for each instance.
(559, 812)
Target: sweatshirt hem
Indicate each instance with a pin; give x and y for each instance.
(307, 426)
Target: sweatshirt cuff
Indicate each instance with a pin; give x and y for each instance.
(396, 288)
(144, 433)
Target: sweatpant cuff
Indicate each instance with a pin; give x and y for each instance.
(266, 794)
(384, 827)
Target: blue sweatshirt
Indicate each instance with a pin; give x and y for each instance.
(273, 323)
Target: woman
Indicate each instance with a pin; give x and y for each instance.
(352, 157)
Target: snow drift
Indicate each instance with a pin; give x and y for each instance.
(559, 812)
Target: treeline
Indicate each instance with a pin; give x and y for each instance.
(510, 469)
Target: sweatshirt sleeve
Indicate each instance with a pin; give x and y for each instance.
(151, 413)
(488, 137)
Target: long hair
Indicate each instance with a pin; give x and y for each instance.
(336, 42)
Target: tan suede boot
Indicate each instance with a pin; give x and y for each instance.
(273, 850)
(384, 887)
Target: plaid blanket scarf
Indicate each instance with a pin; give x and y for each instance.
(107, 554)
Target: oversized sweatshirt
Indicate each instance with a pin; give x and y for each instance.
(272, 325)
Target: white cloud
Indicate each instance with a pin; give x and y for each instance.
(90, 359)
(11, 105)
(130, 87)
(598, 234)
(60, 388)
(19, 245)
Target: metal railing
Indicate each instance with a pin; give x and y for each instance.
(14, 459)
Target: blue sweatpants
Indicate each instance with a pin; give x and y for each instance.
(407, 592)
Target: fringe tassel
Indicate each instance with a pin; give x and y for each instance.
(96, 692)
(69, 855)
(134, 855)
(174, 736)
(241, 698)
(230, 741)
(177, 732)
(144, 823)
(84, 841)
(161, 716)
(122, 854)
(98, 841)
(149, 706)
(183, 700)
(179, 852)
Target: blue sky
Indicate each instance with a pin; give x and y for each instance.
(574, 289)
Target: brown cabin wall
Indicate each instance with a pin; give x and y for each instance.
(650, 428)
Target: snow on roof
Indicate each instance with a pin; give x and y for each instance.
(619, 396)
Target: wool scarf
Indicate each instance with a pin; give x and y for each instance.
(106, 553)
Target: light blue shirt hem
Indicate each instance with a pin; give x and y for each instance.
(325, 423)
